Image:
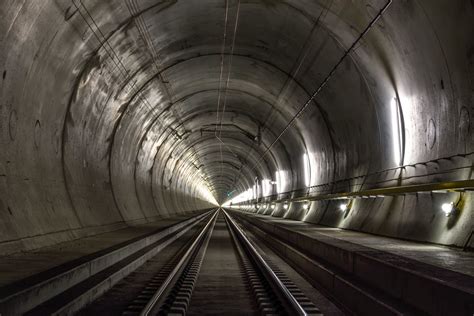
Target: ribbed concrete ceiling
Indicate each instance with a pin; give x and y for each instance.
(236, 70)
(135, 109)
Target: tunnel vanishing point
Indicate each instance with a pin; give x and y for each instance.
(330, 141)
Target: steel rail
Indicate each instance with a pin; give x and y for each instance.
(282, 290)
(166, 284)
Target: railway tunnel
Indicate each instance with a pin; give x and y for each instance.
(275, 156)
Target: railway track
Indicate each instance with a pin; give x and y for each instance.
(207, 264)
(213, 269)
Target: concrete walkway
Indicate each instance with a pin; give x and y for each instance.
(16, 268)
(450, 258)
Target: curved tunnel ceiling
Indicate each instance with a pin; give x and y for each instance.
(153, 108)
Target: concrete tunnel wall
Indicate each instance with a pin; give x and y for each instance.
(108, 110)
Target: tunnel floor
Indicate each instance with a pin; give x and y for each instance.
(221, 283)
(17, 267)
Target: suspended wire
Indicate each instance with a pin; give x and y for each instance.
(323, 83)
(293, 74)
(115, 58)
(224, 39)
(134, 11)
(230, 64)
(227, 84)
(219, 93)
(110, 51)
(104, 43)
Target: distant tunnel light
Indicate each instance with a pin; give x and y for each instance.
(273, 206)
(448, 208)
(257, 190)
(343, 207)
(396, 131)
(306, 170)
(266, 187)
(306, 206)
(285, 206)
(280, 180)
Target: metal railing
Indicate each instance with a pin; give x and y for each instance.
(438, 187)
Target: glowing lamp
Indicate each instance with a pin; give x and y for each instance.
(343, 207)
(448, 208)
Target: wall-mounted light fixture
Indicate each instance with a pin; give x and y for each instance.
(343, 206)
(285, 206)
(266, 187)
(306, 170)
(448, 209)
(397, 131)
(280, 179)
(273, 206)
(306, 206)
